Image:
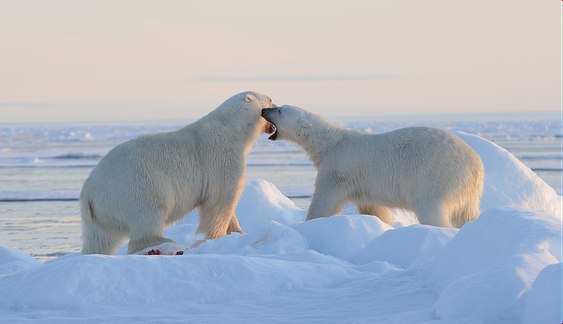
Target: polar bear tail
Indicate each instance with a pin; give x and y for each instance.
(96, 239)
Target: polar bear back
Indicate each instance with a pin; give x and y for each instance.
(153, 165)
(404, 163)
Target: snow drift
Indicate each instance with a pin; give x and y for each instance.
(504, 267)
(509, 182)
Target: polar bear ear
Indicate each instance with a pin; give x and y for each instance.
(305, 123)
(249, 98)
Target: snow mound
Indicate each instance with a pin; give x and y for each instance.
(509, 182)
(86, 281)
(13, 261)
(264, 203)
(544, 300)
(341, 236)
(407, 247)
(493, 261)
(274, 239)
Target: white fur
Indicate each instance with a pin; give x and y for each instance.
(426, 170)
(150, 182)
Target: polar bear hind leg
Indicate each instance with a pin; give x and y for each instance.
(433, 213)
(98, 240)
(383, 212)
(465, 212)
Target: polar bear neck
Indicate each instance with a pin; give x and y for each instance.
(219, 128)
(318, 140)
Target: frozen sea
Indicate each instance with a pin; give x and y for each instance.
(43, 166)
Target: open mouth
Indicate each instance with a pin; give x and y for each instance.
(272, 130)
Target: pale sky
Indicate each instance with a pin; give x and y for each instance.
(72, 60)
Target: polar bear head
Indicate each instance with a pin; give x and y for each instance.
(244, 111)
(290, 122)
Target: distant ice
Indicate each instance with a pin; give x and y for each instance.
(38, 195)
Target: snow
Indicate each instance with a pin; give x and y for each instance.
(504, 267)
(510, 183)
(492, 261)
(414, 246)
(342, 237)
(12, 261)
(544, 300)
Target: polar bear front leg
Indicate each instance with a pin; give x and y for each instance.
(325, 204)
(217, 218)
(234, 225)
(328, 199)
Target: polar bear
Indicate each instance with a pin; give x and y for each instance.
(143, 185)
(425, 170)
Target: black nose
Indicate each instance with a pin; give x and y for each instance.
(264, 111)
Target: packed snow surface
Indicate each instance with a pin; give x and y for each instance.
(504, 267)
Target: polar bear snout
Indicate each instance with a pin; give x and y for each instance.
(268, 114)
(267, 111)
